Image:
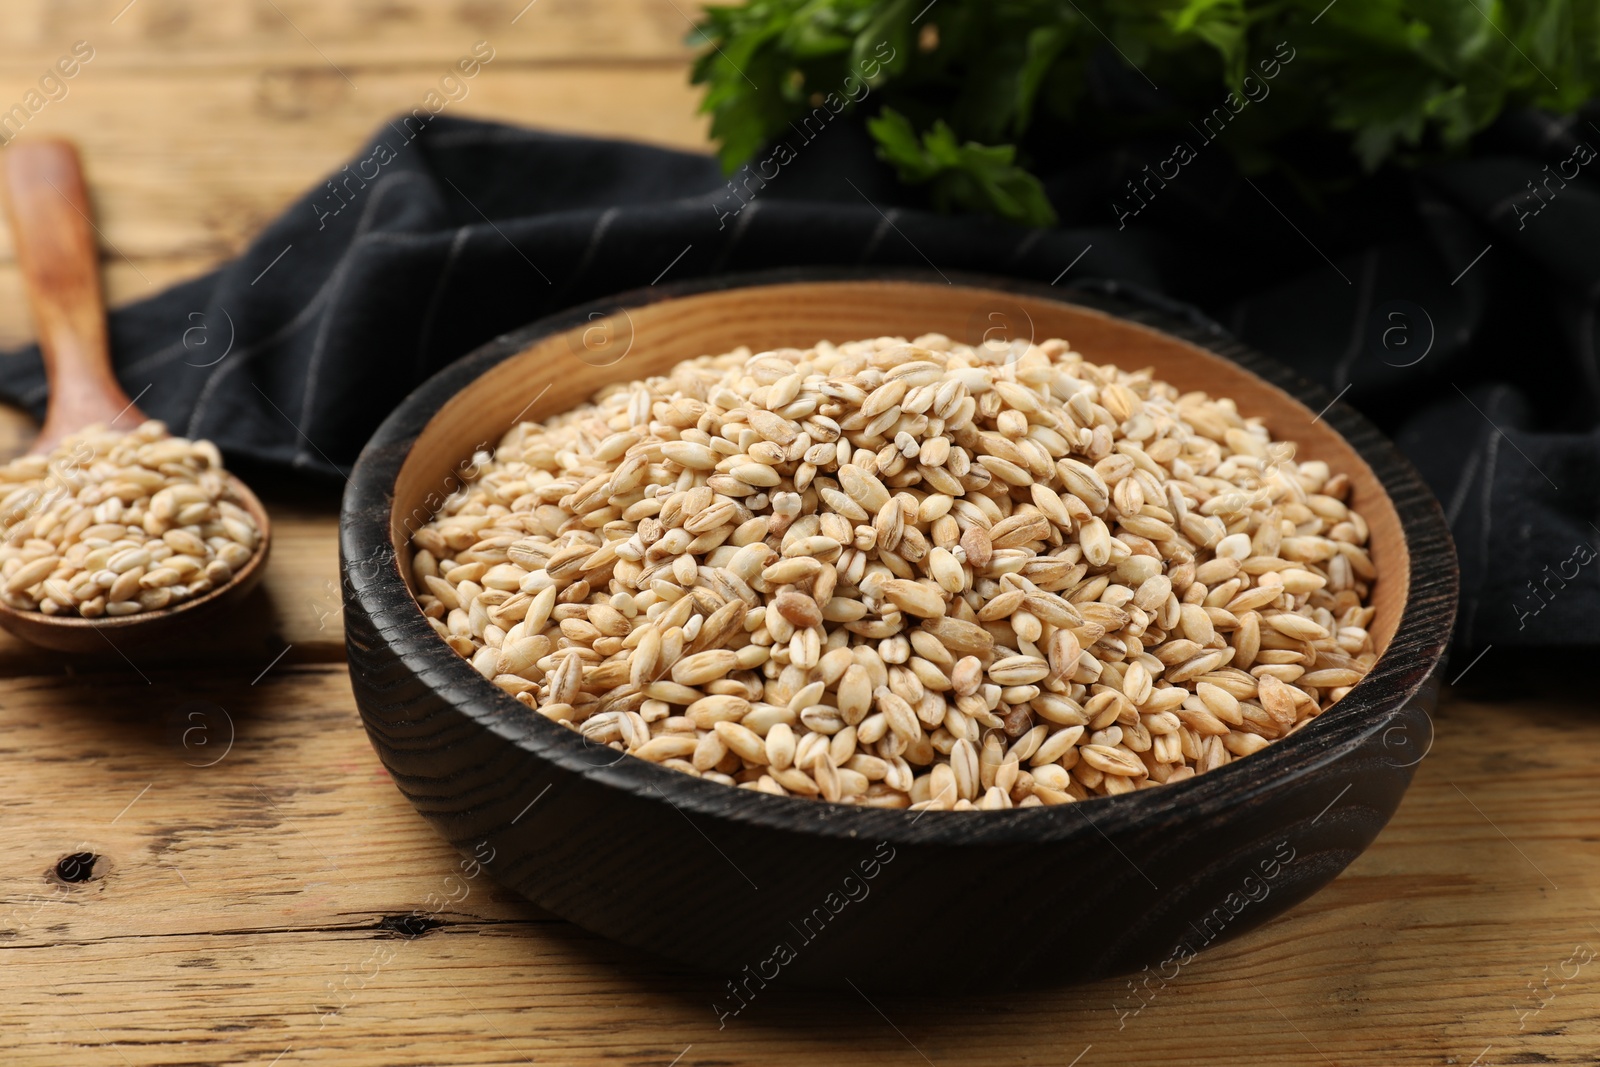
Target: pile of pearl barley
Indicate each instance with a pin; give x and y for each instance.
(112, 523)
(907, 575)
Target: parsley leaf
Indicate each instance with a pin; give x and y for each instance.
(970, 175)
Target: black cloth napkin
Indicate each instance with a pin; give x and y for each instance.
(1454, 304)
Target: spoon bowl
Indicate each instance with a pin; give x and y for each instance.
(73, 633)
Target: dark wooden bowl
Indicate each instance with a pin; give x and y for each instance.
(754, 886)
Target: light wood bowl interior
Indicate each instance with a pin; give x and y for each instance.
(549, 377)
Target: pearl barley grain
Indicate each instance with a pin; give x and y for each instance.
(112, 523)
(906, 575)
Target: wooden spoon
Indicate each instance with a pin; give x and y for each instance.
(48, 207)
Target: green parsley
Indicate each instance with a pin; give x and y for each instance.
(966, 97)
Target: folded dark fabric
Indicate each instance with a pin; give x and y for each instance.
(1455, 304)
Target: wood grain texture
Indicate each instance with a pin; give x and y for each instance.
(1174, 860)
(235, 894)
(199, 121)
(163, 34)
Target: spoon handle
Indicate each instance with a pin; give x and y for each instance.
(49, 211)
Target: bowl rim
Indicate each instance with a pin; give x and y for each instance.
(372, 577)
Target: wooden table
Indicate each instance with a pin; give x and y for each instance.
(263, 895)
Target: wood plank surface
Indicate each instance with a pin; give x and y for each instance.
(238, 906)
(161, 34)
(200, 121)
(260, 880)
